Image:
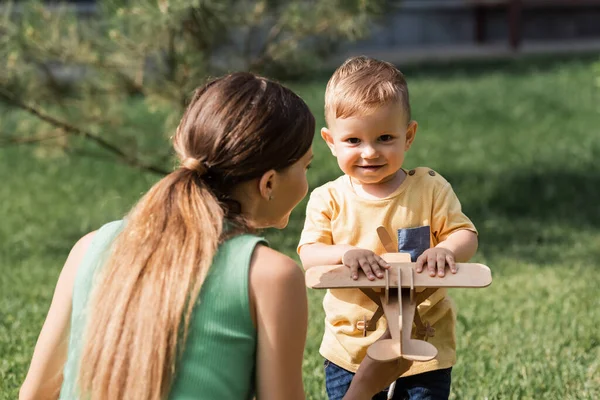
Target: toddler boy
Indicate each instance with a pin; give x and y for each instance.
(369, 130)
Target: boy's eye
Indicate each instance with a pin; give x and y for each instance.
(385, 138)
(308, 166)
(353, 140)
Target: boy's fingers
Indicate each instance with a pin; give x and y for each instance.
(451, 263)
(382, 262)
(441, 264)
(353, 265)
(375, 267)
(419, 264)
(431, 265)
(366, 266)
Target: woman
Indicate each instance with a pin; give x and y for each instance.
(181, 299)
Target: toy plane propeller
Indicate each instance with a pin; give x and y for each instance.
(399, 294)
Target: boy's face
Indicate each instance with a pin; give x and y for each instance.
(370, 148)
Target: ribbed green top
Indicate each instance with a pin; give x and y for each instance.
(218, 359)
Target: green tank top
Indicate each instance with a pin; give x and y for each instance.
(218, 361)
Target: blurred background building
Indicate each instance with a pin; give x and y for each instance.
(428, 30)
(417, 30)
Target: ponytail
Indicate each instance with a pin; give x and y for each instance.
(147, 289)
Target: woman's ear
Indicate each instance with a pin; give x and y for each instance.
(266, 184)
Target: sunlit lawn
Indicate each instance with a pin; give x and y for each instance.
(519, 143)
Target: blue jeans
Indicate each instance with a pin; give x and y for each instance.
(432, 385)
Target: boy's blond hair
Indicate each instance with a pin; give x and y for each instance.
(362, 84)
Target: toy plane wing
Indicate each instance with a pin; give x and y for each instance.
(468, 275)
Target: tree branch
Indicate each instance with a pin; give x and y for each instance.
(73, 130)
(34, 140)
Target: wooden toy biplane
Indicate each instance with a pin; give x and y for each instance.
(398, 296)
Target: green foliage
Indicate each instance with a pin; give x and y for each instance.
(519, 143)
(76, 71)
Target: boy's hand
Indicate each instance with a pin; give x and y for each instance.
(436, 259)
(366, 260)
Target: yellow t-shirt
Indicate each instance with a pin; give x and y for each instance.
(335, 214)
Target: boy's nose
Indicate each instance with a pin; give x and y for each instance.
(369, 152)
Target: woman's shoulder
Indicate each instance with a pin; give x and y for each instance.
(266, 265)
(273, 267)
(77, 253)
(88, 245)
(276, 286)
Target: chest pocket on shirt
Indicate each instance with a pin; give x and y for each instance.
(413, 241)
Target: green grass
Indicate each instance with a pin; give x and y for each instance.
(519, 143)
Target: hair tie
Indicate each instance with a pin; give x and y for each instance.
(194, 165)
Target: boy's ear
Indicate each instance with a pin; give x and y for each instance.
(266, 184)
(411, 132)
(328, 137)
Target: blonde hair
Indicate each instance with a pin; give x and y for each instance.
(362, 84)
(235, 129)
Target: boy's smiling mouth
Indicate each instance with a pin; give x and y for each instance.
(370, 167)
